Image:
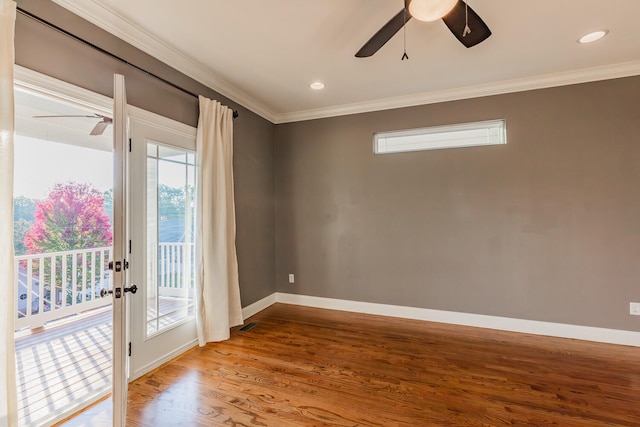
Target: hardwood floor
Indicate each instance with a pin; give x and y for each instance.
(301, 366)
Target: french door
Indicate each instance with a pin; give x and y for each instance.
(162, 234)
(153, 268)
(153, 244)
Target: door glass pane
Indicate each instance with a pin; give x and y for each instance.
(170, 238)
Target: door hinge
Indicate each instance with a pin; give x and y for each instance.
(129, 246)
(129, 348)
(129, 144)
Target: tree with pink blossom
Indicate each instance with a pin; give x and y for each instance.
(71, 217)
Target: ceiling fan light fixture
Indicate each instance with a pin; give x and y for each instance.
(430, 10)
(593, 36)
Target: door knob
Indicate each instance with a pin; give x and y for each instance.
(133, 289)
(104, 292)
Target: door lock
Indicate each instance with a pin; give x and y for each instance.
(118, 266)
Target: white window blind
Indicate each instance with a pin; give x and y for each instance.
(490, 132)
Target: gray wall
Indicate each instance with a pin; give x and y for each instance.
(546, 227)
(50, 52)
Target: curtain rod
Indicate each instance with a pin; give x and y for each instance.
(106, 52)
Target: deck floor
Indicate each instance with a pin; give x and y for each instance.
(62, 366)
(58, 367)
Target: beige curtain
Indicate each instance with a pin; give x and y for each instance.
(217, 286)
(8, 404)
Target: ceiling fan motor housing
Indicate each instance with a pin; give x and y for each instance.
(430, 10)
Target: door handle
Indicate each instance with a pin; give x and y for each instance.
(104, 292)
(133, 289)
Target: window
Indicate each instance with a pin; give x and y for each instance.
(170, 225)
(491, 132)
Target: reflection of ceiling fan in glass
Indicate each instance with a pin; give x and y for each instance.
(98, 129)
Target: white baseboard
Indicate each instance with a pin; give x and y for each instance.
(258, 306)
(560, 330)
(162, 360)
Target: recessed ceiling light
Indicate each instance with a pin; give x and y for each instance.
(592, 37)
(317, 85)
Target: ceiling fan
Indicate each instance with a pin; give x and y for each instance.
(98, 129)
(461, 20)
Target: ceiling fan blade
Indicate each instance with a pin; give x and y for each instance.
(384, 34)
(99, 128)
(455, 21)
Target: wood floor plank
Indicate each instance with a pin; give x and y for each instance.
(302, 366)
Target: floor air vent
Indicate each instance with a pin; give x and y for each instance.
(248, 327)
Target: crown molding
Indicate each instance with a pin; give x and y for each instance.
(614, 71)
(120, 27)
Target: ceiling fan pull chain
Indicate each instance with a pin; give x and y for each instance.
(404, 35)
(467, 30)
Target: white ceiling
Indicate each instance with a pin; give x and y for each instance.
(66, 130)
(264, 54)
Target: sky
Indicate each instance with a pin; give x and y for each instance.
(40, 164)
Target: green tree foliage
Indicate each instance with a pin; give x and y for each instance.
(23, 208)
(23, 216)
(20, 229)
(171, 202)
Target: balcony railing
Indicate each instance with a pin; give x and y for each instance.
(59, 284)
(55, 285)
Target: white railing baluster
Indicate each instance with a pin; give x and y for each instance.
(63, 284)
(100, 272)
(54, 285)
(169, 267)
(84, 275)
(163, 276)
(180, 257)
(91, 267)
(29, 285)
(40, 285)
(18, 295)
(74, 279)
(172, 266)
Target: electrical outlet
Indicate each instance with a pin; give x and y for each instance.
(292, 279)
(634, 308)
